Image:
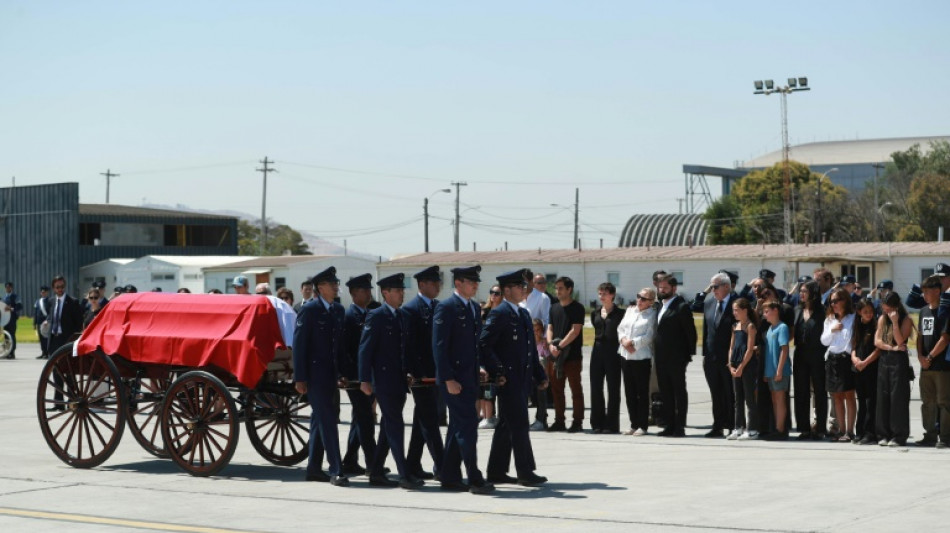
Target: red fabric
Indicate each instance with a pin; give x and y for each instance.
(236, 333)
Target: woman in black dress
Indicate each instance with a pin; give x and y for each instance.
(605, 364)
(808, 363)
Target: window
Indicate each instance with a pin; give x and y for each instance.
(162, 276)
(926, 273)
(279, 283)
(613, 278)
(864, 276)
(678, 274)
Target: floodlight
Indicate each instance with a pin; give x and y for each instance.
(803, 82)
(758, 85)
(792, 82)
(769, 84)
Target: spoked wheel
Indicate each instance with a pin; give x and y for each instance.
(278, 425)
(80, 403)
(6, 343)
(199, 423)
(146, 397)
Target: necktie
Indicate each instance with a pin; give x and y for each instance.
(718, 311)
(56, 317)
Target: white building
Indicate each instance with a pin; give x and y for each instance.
(631, 269)
(170, 272)
(106, 271)
(287, 270)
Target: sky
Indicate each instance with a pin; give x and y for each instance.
(369, 107)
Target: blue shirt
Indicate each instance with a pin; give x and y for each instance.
(775, 338)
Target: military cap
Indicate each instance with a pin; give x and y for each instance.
(327, 275)
(886, 284)
(44, 288)
(515, 277)
(804, 279)
(766, 274)
(99, 284)
(430, 274)
(363, 281)
(942, 269)
(130, 288)
(733, 277)
(847, 280)
(157, 289)
(239, 281)
(8, 284)
(396, 281)
(469, 273)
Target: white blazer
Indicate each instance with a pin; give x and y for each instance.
(639, 327)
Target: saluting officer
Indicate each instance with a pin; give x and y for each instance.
(420, 364)
(317, 340)
(507, 341)
(455, 330)
(382, 370)
(362, 424)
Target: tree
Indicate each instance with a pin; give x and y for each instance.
(724, 220)
(929, 204)
(916, 186)
(280, 239)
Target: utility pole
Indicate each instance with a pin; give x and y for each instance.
(577, 197)
(109, 175)
(457, 184)
(877, 167)
(266, 162)
(425, 216)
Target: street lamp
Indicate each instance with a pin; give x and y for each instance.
(880, 214)
(425, 213)
(577, 242)
(768, 87)
(820, 212)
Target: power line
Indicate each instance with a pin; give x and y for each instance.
(188, 169)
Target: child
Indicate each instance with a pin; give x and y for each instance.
(864, 358)
(778, 367)
(744, 368)
(544, 354)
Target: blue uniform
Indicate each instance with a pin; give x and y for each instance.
(317, 341)
(40, 314)
(508, 349)
(419, 363)
(455, 330)
(381, 362)
(363, 424)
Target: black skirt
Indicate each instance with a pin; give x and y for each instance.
(839, 377)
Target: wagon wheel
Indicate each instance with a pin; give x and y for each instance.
(80, 403)
(278, 426)
(6, 343)
(146, 397)
(199, 423)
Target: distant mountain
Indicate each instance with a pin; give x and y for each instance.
(318, 245)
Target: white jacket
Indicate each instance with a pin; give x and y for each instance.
(639, 327)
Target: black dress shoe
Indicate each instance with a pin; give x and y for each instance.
(411, 483)
(668, 432)
(679, 433)
(321, 477)
(557, 426)
(454, 486)
(532, 480)
(353, 470)
(339, 481)
(10, 356)
(714, 434)
(501, 479)
(422, 474)
(576, 427)
(382, 481)
(804, 435)
(482, 487)
(42, 357)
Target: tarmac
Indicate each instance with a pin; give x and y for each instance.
(597, 483)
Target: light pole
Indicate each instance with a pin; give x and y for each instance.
(877, 167)
(425, 213)
(768, 87)
(577, 242)
(880, 214)
(821, 213)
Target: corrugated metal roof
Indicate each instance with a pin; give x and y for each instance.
(845, 152)
(130, 211)
(797, 252)
(192, 260)
(270, 261)
(664, 230)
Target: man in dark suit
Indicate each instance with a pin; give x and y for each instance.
(673, 348)
(455, 331)
(306, 294)
(510, 355)
(362, 422)
(419, 365)
(40, 314)
(65, 322)
(382, 370)
(717, 336)
(317, 340)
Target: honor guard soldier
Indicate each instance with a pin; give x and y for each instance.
(317, 340)
(507, 342)
(420, 365)
(12, 304)
(362, 423)
(382, 370)
(455, 330)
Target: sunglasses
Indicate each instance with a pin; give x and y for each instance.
(717, 286)
(644, 298)
(93, 298)
(495, 293)
(59, 286)
(835, 300)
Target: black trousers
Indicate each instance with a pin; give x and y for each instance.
(425, 430)
(720, 390)
(605, 366)
(362, 429)
(746, 396)
(671, 378)
(636, 388)
(11, 329)
(808, 374)
(511, 434)
(866, 386)
(893, 397)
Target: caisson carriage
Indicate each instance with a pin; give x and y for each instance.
(182, 371)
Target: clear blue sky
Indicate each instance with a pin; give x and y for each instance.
(523, 100)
